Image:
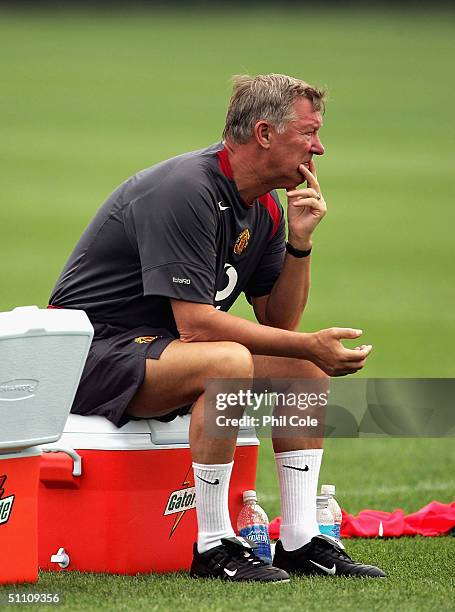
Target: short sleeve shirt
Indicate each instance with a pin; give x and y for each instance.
(176, 230)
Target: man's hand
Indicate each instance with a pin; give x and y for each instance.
(330, 355)
(306, 208)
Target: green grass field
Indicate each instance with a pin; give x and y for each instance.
(88, 99)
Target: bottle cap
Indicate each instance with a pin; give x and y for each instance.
(248, 495)
(328, 489)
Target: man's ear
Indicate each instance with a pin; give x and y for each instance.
(263, 134)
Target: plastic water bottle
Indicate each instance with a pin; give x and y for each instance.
(252, 523)
(334, 508)
(323, 516)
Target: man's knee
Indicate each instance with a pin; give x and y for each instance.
(230, 360)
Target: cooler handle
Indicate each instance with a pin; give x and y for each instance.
(77, 459)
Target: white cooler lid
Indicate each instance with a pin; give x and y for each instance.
(34, 321)
(42, 355)
(97, 433)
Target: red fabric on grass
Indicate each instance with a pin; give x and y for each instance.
(431, 520)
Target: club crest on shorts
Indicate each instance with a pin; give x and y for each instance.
(242, 241)
(144, 339)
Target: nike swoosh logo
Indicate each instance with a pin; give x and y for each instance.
(291, 467)
(327, 570)
(230, 572)
(214, 482)
(222, 207)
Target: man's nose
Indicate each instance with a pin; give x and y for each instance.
(318, 147)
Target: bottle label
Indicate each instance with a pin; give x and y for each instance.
(327, 530)
(259, 534)
(336, 531)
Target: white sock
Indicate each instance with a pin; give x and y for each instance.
(298, 487)
(212, 507)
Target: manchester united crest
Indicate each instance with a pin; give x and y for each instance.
(144, 339)
(242, 241)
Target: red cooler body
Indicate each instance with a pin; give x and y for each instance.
(122, 500)
(18, 516)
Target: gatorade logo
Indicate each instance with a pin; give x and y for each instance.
(183, 499)
(6, 503)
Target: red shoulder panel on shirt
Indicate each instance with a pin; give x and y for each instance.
(224, 164)
(268, 201)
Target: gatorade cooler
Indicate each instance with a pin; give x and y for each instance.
(122, 500)
(42, 354)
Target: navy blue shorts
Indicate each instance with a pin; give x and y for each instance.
(115, 370)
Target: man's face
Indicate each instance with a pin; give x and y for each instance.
(296, 145)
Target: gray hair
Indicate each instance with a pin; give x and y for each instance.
(268, 97)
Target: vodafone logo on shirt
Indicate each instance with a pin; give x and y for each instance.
(233, 277)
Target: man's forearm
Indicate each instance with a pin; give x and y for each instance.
(289, 295)
(204, 323)
(216, 325)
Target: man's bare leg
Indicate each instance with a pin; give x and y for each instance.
(178, 378)
(287, 368)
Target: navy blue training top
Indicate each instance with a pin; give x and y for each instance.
(178, 229)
